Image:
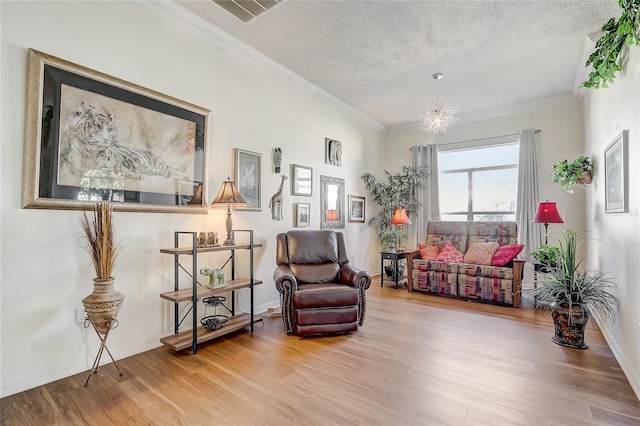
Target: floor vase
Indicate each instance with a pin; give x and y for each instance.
(569, 325)
(103, 304)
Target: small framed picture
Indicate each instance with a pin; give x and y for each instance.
(356, 208)
(615, 175)
(303, 211)
(332, 152)
(248, 175)
(302, 180)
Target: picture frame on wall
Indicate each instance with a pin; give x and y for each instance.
(93, 137)
(301, 180)
(332, 152)
(356, 208)
(248, 177)
(615, 175)
(303, 215)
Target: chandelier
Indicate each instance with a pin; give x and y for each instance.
(439, 116)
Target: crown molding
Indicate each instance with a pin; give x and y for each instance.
(216, 35)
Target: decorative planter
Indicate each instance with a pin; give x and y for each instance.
(103, 304)
(569, 326)
(390, 272)
(586, 178)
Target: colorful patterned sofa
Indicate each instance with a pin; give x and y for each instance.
(494, 284)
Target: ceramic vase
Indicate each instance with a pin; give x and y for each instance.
(569, 325)
(103, 304)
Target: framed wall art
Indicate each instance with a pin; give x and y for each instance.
(248, 177)
(331, 203)
(303, 213)
(332, 152)
(615, 175)
(301, 180)
(93, 137)
(356, 208)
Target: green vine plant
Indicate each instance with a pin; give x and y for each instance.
(568, 174)
(605, 59)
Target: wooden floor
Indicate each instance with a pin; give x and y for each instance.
(418, 360)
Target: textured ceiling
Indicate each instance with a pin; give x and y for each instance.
(378, 56)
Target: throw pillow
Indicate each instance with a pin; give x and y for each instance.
(450, 254)
(428, 252)
(506, 254)
(480, 253)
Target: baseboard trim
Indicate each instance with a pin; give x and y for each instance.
(633, 376)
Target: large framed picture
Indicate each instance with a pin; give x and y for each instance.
(615, 175)
(248, 176)
(303, 212)
(93, 137)
(301, 180)
(356, 208)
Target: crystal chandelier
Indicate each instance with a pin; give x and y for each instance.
(439, 116)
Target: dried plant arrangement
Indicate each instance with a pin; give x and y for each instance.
(100, 239)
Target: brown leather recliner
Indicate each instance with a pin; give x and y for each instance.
(321, 292)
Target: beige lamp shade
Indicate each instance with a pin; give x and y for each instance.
(227, 197)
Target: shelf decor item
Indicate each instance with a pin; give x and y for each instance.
(103, 304)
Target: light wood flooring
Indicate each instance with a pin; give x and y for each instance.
(418, 360)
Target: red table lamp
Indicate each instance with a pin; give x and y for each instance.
(400, 218)
(547, 213)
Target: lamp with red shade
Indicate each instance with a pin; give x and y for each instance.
(547, 213)
(400, 218)
(332, 216)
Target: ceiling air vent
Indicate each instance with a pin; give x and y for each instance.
(246, 10)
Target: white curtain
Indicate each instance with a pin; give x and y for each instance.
(426, 156)
(529, 233)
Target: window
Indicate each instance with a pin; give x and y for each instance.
(479, 183)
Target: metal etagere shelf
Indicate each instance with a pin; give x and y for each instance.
(197, 334)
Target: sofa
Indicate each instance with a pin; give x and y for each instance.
(459, 278)
(321, 292)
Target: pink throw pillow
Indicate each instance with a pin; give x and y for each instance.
(480, 253)
(450, 254)
(428, 252)
(506, 254)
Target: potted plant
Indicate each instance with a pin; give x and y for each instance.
(568, 174)
(547, 256)
(399, 190)
(573, 295)
(103, 304)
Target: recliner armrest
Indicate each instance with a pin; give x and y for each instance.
(284, 277)
(354, 276)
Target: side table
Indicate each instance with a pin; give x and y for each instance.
(394, 257)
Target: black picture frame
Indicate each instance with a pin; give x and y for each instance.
(74, 158)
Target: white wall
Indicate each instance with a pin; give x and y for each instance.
(561, 136)
(44, 272)
(615, 238)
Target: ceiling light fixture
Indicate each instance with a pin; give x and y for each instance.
(439, 116)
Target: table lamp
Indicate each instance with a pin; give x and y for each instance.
(400, 218)
(230, 196)
(547, 213)
(332, 216)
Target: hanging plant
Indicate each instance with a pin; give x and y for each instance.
(568, 174)
(605, 59)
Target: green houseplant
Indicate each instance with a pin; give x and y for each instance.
(568, 174)
(399, 190)
(547, 256)
(605, 58)
(573, 295)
